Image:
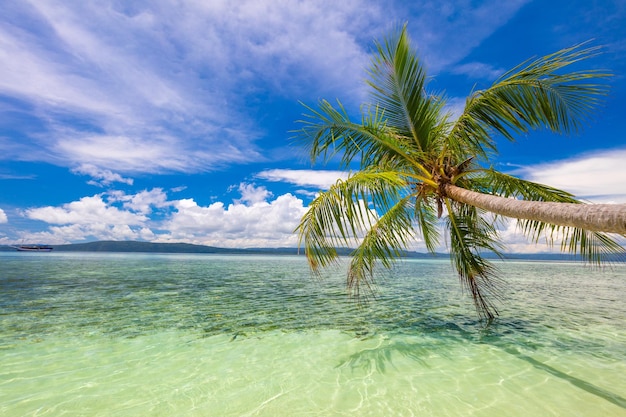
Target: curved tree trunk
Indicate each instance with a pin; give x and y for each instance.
(609, 218)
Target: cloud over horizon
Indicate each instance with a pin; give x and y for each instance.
(598, 177)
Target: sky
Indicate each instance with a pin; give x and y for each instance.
(173, 120)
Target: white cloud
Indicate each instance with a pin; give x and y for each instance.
(121, 152)
(160, 85)
(101, 177)
(259, 223)
(152, 77)
(252, 195)
(597, 177)
(144, 201)
(81, 232)
(254, 220)
(31, 71)
(304, 177)
(96, 218)
(87, 211)
(285, 40)
(3, 217)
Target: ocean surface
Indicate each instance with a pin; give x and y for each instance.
(103, 334)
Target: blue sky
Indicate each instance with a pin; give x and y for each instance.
(170, 121)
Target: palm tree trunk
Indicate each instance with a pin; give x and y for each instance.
(608, 218)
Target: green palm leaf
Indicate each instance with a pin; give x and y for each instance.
(329, 131)
(398, 82)
(531, 96)
(427, 223)
(471, 235)
(384, 242)
(337, 217)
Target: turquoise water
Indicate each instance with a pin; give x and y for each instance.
(207, 335)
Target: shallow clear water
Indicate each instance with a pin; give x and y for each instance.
(207, 335)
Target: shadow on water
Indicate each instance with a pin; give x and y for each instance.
(380, 356)
(491, 336)
(577, 382)
(450, 334)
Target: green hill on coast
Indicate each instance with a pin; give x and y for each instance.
(149, 247)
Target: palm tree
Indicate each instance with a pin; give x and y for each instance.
(416, 163)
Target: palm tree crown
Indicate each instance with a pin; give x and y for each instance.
(416, 164)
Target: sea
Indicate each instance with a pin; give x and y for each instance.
(112, 334)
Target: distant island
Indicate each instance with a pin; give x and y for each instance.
(149, 247)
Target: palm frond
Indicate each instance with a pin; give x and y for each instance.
(328, 131)
(532, 96)
(383, 243)
(398, 82)
(426, 221)
(471, 234)
(338, 216)
(593, 247)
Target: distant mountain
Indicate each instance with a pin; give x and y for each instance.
(148, 247)
(134, 246)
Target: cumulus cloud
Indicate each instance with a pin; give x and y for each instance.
(250, 194)
(248, 222)
(3, 217)
(81, 232)
(597, 177)
(319, 179)
(144, 202)
(256, 219)
(86, 211)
